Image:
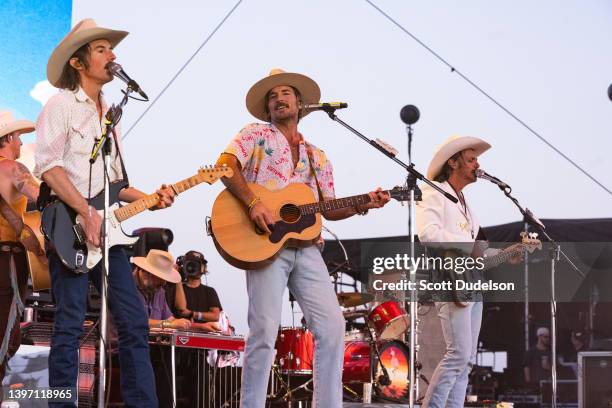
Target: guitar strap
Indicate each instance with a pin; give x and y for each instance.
(312, 169)
(123, 171)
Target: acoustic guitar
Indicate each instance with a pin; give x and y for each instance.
(297, 219)
(38, 264)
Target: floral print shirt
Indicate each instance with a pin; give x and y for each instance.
(265, 156)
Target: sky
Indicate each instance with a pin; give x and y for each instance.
(548, 62)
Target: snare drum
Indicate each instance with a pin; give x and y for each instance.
(294, 351)
(389, 320)
(359, 361)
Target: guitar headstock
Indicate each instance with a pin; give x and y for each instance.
(400, 193)
(213, 173)
(530, 241)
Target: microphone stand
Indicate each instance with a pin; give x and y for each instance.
(555, 253)
(113, 116)
(411, 180)
(414, 307)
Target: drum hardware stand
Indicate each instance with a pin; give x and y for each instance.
(555, 254)
(384, 379)
(391, 153)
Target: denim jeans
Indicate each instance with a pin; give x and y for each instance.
(305, 273)
(129, 317)
(460, 326)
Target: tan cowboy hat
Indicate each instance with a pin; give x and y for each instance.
(9, 125)
(84, 32)
(452, 145)
(256, 97)
(159, 263)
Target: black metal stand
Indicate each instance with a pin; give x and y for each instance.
(555, 254)
(113, 116)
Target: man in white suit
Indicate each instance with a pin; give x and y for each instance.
(439, 220)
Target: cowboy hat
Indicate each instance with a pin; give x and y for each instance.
(452, 145)
(159, 263)
(256, 97)
(84, 32)
(9, 125)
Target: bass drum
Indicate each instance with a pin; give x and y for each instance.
(360, 361)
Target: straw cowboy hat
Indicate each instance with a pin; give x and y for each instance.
(452, 145)
(159, 263)
(84, 32)
(8, 124)
(256, 97)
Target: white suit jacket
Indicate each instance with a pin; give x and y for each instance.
(440, 220)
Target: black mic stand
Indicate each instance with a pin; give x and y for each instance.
(411, 179)
(555, 253)
(113, 116)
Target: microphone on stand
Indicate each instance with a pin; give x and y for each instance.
(480, 173)
(117, 70)
(410, 114)
(324, 106)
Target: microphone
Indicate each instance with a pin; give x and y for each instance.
(610, 92)
(117, 70)
(410, 114)
(324, 106)
(480, 173)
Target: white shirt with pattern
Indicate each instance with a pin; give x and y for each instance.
(66, 131)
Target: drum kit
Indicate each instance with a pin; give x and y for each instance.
(376, 357)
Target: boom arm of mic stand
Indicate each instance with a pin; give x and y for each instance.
(331, 112)
(113, 116)
(539, 225)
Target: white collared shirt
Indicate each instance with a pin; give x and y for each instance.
(66, 131)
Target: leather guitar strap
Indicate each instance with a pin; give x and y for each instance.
(312, 169)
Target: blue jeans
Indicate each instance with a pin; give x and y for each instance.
(70, 292)
(460, 326)
(305, 273)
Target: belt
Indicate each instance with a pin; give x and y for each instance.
(15, 248)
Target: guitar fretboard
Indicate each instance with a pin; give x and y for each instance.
(322, 206)
(151, 200)
(502, 257)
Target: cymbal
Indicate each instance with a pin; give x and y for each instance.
(351, 299)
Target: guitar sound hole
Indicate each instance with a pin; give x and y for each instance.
(290, 213)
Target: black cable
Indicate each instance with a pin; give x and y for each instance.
(180, 71)
(483, 92)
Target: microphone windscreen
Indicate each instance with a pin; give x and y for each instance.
(610, 92)
(410, 114)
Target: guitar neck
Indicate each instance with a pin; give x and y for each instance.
(336, 204)
(502, 257)
(151, 200)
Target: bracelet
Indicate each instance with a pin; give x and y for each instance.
(252, 203)
(163, 324)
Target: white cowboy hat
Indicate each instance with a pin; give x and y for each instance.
(159, 263)
(8, 124)
(84, 32)
(452, 145)
(256, 97)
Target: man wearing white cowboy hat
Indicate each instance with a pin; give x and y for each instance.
(67, 128)
(275, 154)
(441, 221)
(17, 187)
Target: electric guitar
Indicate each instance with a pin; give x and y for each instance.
(62, 226)
(529, 243)
(296, 217)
